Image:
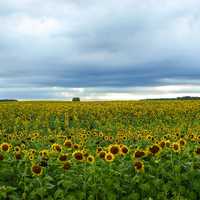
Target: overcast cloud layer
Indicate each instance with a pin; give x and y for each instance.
(108, 49)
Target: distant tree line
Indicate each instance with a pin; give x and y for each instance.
(178, 98)
(6, 100)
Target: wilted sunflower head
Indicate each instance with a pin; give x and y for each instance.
(36, 169)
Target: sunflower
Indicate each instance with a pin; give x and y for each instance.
(123, 150)
(18, 155)
(139, 154)
(36, 169)
(63, 157)
(99, 149)
(56, 147)
(31, 157)
(76, 146)
(114, 149)
(102, 154)
(154, 149)
(5, 146)
(162, 144)
(17, 149)
(78, 155)
(44, 154)
(68, 143)
(197, 151)
(1, 157)
(90, 159)
(109, 157)
(176, 147)
(66, 165)
(182, 142)
(139, 166)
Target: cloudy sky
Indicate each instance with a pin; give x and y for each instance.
(99, 49)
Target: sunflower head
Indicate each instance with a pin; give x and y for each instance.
(68, 143)
(139, 166)
(109, 157)
(176, 147)
(139, 153)
(66, 165)
(5, 146)
(36, 169)
(78, 155)
(123, 149)
(114, 149)
(63, 157)
(56, 147)
(154, 149)
(102, 154)
(90, 159)
(197, 151)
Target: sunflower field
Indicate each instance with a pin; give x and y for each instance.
(120, 150)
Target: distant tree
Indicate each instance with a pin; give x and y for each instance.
(75, 99)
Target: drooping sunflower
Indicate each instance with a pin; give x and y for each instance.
(36, 169)
(109, 157)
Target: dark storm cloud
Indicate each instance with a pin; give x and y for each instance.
(105, 45)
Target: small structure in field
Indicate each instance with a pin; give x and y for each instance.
(75, 99)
